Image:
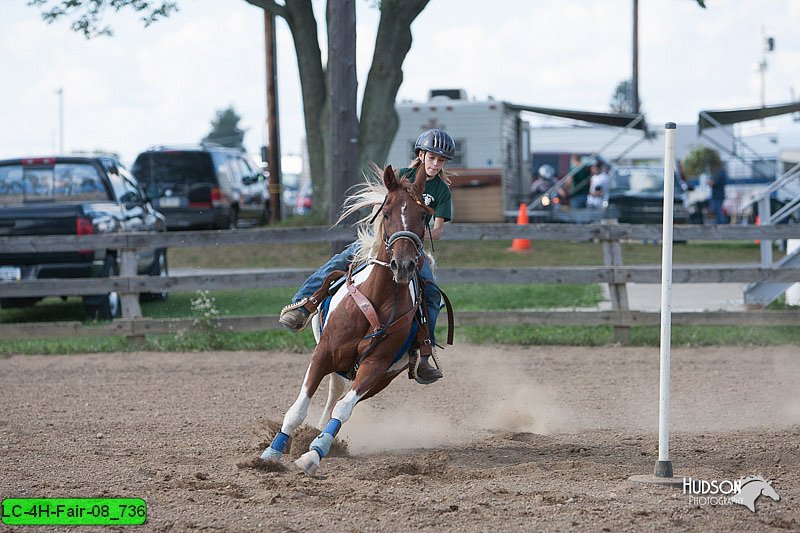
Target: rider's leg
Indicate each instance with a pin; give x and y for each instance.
(427, 373)
(295, 317)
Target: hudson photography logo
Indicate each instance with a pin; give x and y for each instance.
(744, 491)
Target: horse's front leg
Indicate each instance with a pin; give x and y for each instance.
(369, 373)
(297, 412)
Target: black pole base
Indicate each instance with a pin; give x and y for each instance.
(663, 469)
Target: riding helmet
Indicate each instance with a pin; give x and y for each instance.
(436, 141)
(547, 172)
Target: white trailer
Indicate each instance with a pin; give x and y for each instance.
(491, 165)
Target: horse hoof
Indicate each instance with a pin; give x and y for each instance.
(308, 463)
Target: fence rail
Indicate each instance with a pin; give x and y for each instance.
(614, 273)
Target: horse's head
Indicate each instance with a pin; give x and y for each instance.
(404, 212)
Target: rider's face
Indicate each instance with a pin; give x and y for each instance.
(433, 163)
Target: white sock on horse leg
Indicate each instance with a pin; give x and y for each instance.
(344, 407)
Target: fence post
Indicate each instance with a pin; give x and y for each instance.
(130, 300)
(765, 216)
(612, 256)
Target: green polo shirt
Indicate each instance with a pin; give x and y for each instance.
(437, 193)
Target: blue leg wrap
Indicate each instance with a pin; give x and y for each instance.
(322, 444)
(333, 426)
(273, 453)
(279, 442)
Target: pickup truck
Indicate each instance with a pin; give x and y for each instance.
(74, 196)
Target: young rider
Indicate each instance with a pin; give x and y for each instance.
(433, 149)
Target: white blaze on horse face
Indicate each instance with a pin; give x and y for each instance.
(403, 215)
(344, 407)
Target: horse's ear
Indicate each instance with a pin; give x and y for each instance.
(420, 180)
(389, 179)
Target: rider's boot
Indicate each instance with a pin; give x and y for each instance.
(427, 373)
(296, 317)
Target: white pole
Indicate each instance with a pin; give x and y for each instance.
(664, 465)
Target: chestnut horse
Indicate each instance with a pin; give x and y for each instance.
(352, 343)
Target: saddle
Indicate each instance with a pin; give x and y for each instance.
(339, 278)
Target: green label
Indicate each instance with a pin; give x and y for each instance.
(74, 511)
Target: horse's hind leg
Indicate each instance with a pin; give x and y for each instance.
(296, 413)
(336, 388)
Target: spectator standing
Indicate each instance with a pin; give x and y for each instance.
(577, 185)
(597, 185)
(717, 182)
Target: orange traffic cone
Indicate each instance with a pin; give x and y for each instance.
(758, 223)
(521, 245)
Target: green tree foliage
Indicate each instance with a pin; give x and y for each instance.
(621, 101)
(225, 130)
(701, 159)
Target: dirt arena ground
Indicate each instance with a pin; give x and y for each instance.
(516, 438)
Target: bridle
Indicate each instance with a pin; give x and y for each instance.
(390, 240)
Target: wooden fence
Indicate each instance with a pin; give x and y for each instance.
(614, 273)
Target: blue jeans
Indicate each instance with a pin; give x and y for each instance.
(342, 260)
(719, 214)
(578, 201)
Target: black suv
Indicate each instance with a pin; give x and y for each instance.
(73, 196)
(204, 187)
(635, 195)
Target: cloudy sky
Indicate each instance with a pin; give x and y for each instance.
(164, 84)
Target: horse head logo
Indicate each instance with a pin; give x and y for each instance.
(752, 488)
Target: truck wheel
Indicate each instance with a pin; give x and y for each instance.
(104, 306)
(160, 269)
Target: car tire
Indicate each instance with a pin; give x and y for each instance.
(159, 268)
(104, 306)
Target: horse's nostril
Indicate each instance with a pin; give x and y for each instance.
(393, 264)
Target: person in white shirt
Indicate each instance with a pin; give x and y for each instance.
(597, 185)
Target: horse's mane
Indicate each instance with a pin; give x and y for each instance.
(369, 194)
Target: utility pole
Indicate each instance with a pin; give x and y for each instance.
(767, 45)
(273, 136)
(60, 93)
(635, 74)
(342, 96)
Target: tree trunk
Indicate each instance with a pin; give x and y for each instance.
(379, 121)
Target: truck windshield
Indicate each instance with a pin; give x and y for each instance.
(59, 182)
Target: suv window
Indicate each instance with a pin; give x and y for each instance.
(251, 175)
(59, 182)
(236, 169)
(173, 167)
